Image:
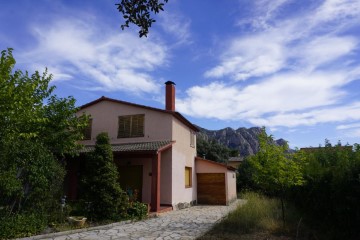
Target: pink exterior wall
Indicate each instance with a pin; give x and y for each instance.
(105, 115)
(183, 155)
(231, 186)
(157, 126)
(208, 167)
(234, 164)
(230, 176)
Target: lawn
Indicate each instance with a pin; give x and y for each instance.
(259, 219)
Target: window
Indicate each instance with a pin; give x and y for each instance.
(192, 139)
(131, 126)
(87, 130)
(188, 180)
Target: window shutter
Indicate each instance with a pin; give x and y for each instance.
(131, 126)
(137, 126)
(124, 127)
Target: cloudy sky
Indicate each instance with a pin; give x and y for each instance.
(292, 66)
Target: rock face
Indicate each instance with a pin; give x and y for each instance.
(243, 139)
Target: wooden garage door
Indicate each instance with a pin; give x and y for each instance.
(211, 188)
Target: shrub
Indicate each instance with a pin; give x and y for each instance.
(330, 198)
(101, 186)
(21, 225)
(137, 210)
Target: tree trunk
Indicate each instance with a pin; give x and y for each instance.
(283, 210)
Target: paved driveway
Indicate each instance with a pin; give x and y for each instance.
(184, 224)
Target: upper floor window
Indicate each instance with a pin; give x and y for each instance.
(192, 139)
(131, 126)
(87, 130)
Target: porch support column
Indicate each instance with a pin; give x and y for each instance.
(155, 183)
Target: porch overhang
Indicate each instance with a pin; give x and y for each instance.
(136, 147)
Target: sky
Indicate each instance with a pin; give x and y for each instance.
(291, 66)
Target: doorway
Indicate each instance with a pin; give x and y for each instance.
(131, 179)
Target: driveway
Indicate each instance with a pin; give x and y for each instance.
(188, 223)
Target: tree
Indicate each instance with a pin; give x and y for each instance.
(276, 170)
(139, 13)
(101, 186)
(331, 195)
(212, 150)
(34, 138)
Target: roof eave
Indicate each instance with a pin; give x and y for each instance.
(177, 115)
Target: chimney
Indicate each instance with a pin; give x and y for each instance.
(170, 96)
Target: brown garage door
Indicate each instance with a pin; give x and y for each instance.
(211, 188)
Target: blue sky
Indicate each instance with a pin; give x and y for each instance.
(292, 66)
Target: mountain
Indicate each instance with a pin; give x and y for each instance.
(245, 140)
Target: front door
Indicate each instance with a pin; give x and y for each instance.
(131, 178)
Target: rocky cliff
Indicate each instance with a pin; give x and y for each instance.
(245, 140)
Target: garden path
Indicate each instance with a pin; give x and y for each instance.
(188, 223)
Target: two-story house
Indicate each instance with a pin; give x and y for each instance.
(155, 152)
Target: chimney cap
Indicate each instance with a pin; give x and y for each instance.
(170, 82)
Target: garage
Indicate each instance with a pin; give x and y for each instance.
(216, 182)
(211, 188)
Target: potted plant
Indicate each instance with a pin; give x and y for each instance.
(77, 221)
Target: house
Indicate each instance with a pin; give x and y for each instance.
(235, 161)
(155, 152)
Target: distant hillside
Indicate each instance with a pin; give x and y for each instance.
(245, 140)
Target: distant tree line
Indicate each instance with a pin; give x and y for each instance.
(323, 183)
(213, 150)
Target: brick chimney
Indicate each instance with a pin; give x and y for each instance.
(170, 96)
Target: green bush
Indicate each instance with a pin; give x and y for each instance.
(100, 184)
(78, 208)
(21, 225)
(137, 210)
(330, 198)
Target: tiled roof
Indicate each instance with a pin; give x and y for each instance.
(133, 147)
(236, 159)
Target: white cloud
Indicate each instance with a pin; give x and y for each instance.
(325, 49)
(326, 115)
(296, 69)
(105, 59)
(266, 10)
(251, 56)
(334, 10)
(302, 42)
(176, 25)
(289, 99)
(348, 126)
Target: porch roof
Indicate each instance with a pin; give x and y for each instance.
(133, 147)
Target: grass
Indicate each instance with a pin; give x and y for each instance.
(260, 218)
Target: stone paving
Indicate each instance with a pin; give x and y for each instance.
(184, 224)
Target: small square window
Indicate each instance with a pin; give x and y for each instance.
(188, 177)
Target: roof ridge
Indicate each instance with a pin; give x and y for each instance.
(177, 115)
